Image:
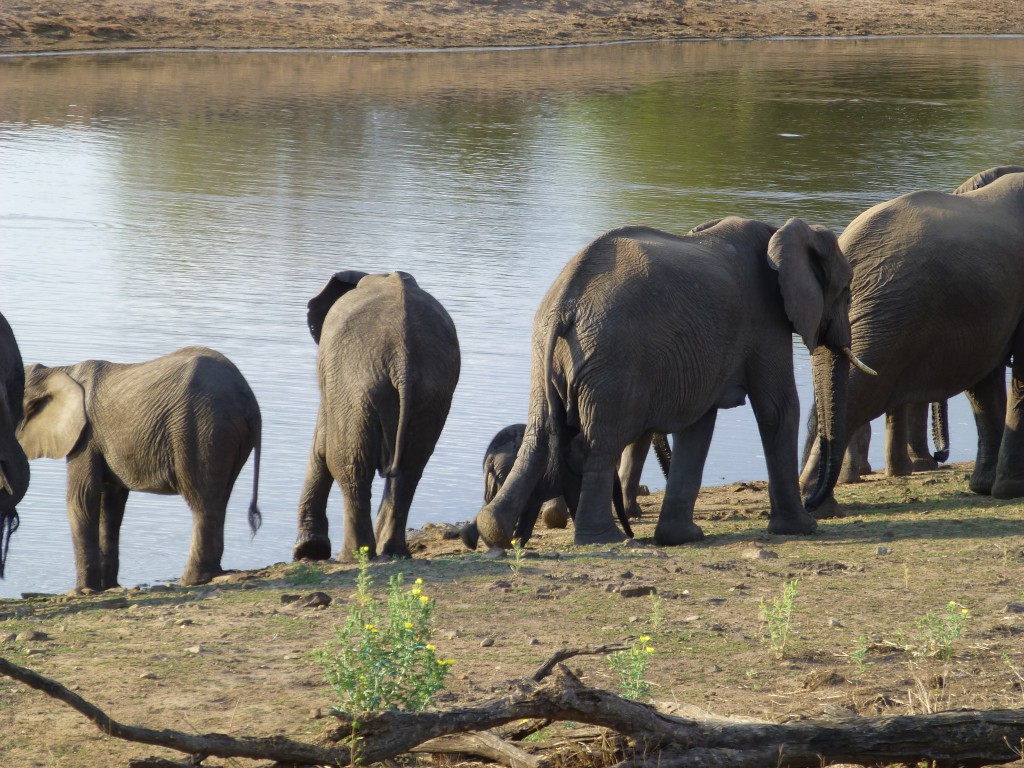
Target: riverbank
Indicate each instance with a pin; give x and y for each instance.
(67, 25)
(911, 603)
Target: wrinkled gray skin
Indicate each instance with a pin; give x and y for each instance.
(547, 500)
(182, 424)
(387, 365)
(913, 455)
(957, 259)
(647, 331)
(14, 471)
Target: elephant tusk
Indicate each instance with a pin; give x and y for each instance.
(856, 361)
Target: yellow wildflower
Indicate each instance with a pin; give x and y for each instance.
(424, 599)
(431, 647)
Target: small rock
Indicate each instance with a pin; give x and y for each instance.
(1014, 608)
(502, 584)
(626, 575)
(194, 649)
(533, 641)
(633, 619)
(638, 590)
(716, 601)
(10, 637)
(451, 634)
(550, 555)
(612, 587)
(161, 588)
(691, 618)
(316, 600)
(30, 635)
(287, 598)
(148, 676)
(315, 713)
(757, 553)
(713, 669)
(487, 642)
(882, 550)
(834, 623)
(134, 607)
(34, 651)
(184, 622)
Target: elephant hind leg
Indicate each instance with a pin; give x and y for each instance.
(394, 514)
(689, 452)
(988, 401)
(594, 522)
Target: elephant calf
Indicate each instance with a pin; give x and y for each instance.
(184, 424)
(387, 364)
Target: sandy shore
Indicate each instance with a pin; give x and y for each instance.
(68, 25)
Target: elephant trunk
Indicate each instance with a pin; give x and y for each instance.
(831, 376)
(940, 431)
(14, 477)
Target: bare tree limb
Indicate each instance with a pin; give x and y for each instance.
(482, 744)
(966, 738)
(562, 654)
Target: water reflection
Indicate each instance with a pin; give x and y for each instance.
(153, 201)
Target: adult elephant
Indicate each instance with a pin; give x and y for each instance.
(951, 267)
(14, 471)
(183, 424)
(648, 331)
(388, 363)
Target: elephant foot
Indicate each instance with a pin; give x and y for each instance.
(469, 535)
(395, 552)
(1008, 488)
(924, 464)
(491, 530)
(903, 470)
(828, 509)
(607, 536)
(793, 525)
(847, 477)
(555, 514)
(198, 575)
(312, 548)
(982, 482)
(674, 534)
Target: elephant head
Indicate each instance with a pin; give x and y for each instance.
(339, 284)
(814, 280)
(55, 416)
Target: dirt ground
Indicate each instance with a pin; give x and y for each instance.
(65, 25)
(919, 569)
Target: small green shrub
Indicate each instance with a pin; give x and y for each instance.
(937, 632)
(382, 657)
(631, 665)
(518, 557)
(304, 574)
(778, 617)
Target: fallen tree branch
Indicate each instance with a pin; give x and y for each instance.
(562, 654)
(963, 738)
(482, 744)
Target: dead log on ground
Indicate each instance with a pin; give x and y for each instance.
(963, 738)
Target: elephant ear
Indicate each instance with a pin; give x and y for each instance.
(986, 177)
(791, 254)
(54, 413)
(318, 307)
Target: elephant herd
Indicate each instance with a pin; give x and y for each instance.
(644, 334)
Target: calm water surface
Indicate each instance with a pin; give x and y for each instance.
(152, 201)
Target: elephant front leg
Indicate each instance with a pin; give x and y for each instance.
(594, 522)
(111, 514)
(689, 452)
(1009, 482)
(778, 423)
(897, 459)
(312, 541)
(84, 494)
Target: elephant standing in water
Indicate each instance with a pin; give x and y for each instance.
(647, 331)
(183, 424)
(951, 268)
(388, 363)
(14, 471)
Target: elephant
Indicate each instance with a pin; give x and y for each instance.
(14, 469)
(388, 363)
(950, 267)
(181, 424)
(548, 500)
(645, 331)
(914, 456)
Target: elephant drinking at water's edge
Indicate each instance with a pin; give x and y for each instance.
(647, 331)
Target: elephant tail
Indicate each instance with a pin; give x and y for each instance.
(403, 426)
(940, 430)
(255, 516)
